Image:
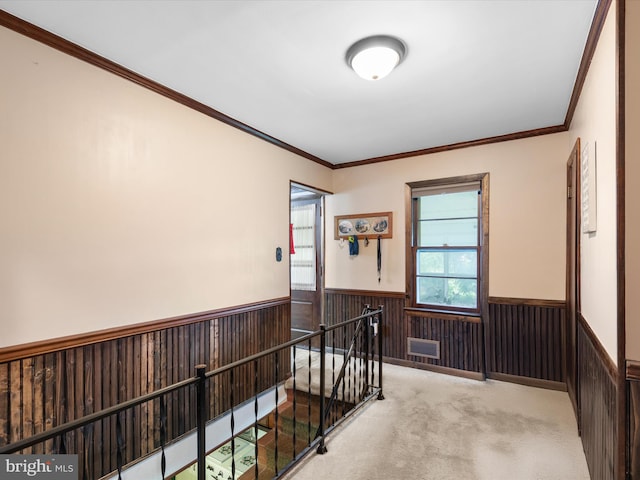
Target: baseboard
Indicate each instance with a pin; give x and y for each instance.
(528, 381)
(435, 368)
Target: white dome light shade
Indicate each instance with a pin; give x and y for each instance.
(375, 63)
(373, 58)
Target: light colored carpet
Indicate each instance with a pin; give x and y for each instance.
(437, 427)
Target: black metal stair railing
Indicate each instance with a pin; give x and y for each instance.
(359, 348)
(59, 432)
(233, 393)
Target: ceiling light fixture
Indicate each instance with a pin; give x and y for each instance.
(375, 57)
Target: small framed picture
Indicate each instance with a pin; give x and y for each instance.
(365, 225)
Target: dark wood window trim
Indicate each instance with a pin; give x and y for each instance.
(372, 293)
(483, 258)
(443, 314)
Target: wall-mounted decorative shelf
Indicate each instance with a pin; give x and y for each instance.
(365, 225)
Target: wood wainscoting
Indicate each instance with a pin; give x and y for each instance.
(597, 380)
(341, 305)
(522, 341)
(633, 387)
(460, 337)
(49, 387)
(525, 341)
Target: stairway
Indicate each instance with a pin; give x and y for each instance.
(305, 428)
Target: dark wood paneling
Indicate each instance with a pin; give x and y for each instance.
(302, 315)
(598, 400)
(525, 335)
(460, 341)
(341, 305)
(460, 337)
(525, 339)
(45, 390)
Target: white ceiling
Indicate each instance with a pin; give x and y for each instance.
(474, 69)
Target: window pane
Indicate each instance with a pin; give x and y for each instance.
(303, 262)
(449, 292)
(448, 205)
(448, 263)
(435, 233)
(430, 262)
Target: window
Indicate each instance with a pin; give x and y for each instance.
(446, 243)
(303, 262)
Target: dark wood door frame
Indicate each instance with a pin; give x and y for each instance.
(307, 306)
(573, 278)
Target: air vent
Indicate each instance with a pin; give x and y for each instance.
(423, 348)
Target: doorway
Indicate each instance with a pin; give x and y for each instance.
(307, 260)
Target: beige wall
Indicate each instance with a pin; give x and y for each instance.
(527, 215)
(594, 122)
(632, 186)
(120, 206)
